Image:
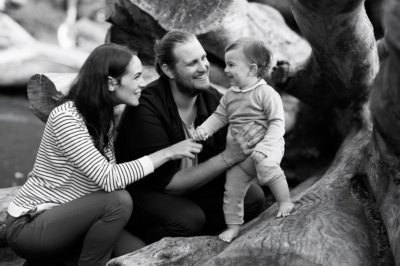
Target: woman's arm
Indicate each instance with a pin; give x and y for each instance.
(186, 148)
(76, 145)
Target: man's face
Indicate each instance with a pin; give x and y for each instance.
(192, 68)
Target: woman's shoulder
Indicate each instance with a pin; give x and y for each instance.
(66, 108)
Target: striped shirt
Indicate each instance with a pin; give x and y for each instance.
(69, 166)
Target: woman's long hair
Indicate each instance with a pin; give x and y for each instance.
(90, 90)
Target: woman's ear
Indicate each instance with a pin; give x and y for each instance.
(253, 70)
(168, 71)
(112, 83)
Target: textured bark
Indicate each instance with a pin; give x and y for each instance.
(43, 93)
(343, 62)
(331, 224)
(383, 169)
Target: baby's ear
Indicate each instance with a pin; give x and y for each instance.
(253, 70)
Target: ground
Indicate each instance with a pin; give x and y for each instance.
(20, 132)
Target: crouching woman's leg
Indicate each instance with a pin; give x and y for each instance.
(92, 223)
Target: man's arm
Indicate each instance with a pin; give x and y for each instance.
(237, 149)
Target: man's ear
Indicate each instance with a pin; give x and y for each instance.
(168, 71)
(253, 70)
(112, 83)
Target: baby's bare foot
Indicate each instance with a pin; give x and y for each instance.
(229, 234)
(285, 208)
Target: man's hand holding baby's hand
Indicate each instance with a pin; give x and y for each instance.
(200, 134)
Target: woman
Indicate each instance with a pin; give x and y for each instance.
(74, 199)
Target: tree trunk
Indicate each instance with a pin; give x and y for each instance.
(335, 222)
(383, 166)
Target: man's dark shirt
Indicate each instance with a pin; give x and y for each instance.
(155, 124)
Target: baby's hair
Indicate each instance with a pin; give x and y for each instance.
(255, 51)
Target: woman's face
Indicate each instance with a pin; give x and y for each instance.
(131, 85)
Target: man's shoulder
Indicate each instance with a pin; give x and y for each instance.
(156, 92)
(154, 87)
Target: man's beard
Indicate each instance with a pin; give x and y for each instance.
(187, 87)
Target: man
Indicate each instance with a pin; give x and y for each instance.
(182, 197)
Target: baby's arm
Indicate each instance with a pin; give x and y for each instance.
(200, 134)
(213, 123)
(272, 105)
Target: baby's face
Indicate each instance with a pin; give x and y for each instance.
(237, 68)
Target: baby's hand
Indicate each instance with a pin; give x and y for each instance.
(200, 134)
(257, 156)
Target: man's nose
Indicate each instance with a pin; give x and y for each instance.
(204, 65)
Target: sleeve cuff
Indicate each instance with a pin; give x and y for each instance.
(147, 165)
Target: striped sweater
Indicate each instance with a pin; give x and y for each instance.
(69, 166)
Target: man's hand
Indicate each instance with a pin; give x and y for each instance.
(240, 146)
(257, 156)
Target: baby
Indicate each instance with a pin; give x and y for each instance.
(250, 99)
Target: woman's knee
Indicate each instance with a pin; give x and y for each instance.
(121, 202)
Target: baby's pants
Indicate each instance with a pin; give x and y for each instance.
(238, 180)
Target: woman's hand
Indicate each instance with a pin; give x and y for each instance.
(240, 146)
(186, 148)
